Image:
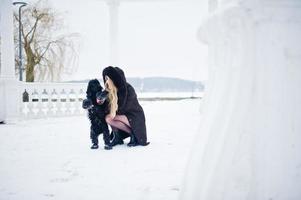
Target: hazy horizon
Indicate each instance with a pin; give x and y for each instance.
(136, 77)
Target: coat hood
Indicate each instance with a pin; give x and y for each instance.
(116, 75)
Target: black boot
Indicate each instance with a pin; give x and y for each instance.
(123, 134)
(108, 147)
(94, 146)
(116, 139)
(133, 141)
(94, 138)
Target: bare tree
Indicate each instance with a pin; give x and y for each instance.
(48, 52)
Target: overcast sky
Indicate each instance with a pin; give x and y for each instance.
(155, 38)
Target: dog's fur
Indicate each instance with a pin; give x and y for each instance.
(97, 112)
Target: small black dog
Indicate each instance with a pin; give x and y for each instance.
(97, 107)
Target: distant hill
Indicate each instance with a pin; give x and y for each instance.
(164, 84)
(160, 84)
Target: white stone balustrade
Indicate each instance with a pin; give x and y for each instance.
(51, 99)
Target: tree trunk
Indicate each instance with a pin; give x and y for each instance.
(30, 64)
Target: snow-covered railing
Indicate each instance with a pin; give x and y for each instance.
(40, 100)
(51, 99)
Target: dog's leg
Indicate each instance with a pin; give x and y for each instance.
(94, 138)
(106, 135)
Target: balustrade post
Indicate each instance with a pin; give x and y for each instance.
(81, 97)
(77, 103)
(53, 102)
(30, 106)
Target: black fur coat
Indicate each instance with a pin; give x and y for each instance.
(128, 104)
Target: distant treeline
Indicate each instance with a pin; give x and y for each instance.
(162, 84)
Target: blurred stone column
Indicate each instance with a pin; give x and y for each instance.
(9, 99)
(113, 31)
(249, 144)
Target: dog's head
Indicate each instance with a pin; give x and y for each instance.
(93, 87)
(101, 97)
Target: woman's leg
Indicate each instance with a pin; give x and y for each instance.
(120, 122)
(123, 119)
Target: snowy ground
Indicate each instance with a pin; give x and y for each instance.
(51, 159)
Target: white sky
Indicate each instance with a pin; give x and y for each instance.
(155, 38)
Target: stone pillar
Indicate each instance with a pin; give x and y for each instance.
(9, 99)
(7, 40)
(113, 31)
(249, 145)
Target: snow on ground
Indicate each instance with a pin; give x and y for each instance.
(51, 158)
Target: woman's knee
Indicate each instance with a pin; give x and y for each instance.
(109, 119)
(123, 119)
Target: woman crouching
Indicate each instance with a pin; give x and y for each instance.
(126, 116)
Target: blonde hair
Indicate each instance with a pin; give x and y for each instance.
(113, 98)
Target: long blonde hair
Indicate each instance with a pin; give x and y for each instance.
(113, 98)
